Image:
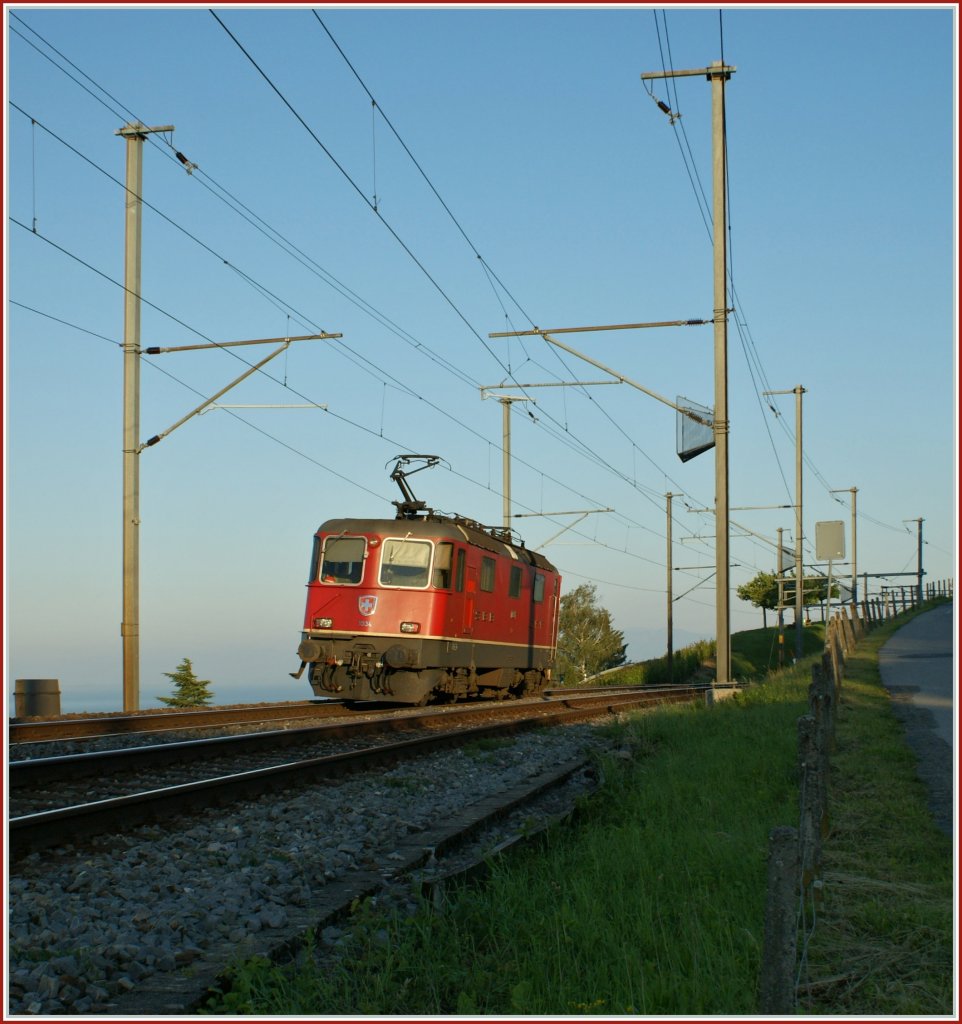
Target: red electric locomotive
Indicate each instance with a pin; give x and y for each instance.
(426, 607)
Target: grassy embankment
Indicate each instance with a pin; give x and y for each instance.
(652, 902)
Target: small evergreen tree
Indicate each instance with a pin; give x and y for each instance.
(189, 691)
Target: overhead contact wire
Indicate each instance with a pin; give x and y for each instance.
(585, 450)
(360, 192)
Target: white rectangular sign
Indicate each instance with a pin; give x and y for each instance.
(830, 540)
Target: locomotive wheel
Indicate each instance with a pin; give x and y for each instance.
(530, 686)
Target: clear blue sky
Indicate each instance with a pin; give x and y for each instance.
(534, 128)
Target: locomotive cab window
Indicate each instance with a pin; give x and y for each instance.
(343, 560)
(514, 582)
(442, 566)
(315, 556)
(405, 563)
(487, 574)
(538, 587)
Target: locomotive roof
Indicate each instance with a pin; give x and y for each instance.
(433, 527)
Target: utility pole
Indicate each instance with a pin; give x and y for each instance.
(799, 571)
(134, 133)
(920, 560)
(797, 391)
(505, 401)
(506, 464)
(668, 562)
(781, 610)
(718, 74)
(719, 236)
(920, 574)
(853, 491)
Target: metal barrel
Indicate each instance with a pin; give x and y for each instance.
(37, 698)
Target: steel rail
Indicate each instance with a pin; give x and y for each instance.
(101, 726)
(46, 829)
(44, 771)
(113, 725)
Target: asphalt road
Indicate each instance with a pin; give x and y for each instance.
(916, 666)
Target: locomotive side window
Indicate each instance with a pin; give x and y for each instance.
(442, 565)
(343, 560)
(404, 563)
(538, 587)
(459, 572)
(487, 574)
(514, 583)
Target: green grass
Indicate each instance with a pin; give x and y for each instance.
(883, 943)
(652, 902)
(754, 656)
(755, 651)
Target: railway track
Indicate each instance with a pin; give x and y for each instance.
(20, 731)
(89, 726)
(252, 876)
(150, 783)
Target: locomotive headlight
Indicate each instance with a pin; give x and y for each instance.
(323, 623)
(410, 627)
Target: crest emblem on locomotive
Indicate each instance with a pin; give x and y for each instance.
(367, 604)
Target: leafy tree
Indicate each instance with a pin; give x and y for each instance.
(587, 643)
(814, 590)
(762, 591)
(189, 691)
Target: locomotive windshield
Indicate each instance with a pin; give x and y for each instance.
(343, 560)
(405, 563)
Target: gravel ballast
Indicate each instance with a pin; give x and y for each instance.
(87, 927)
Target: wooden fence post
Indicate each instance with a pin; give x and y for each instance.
(835, 656)
(857, 626)
(810, 818)
(821, 703)
(845, 629)
(842, 640)
(780, 945)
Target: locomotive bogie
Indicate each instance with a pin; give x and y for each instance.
(432, 608)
